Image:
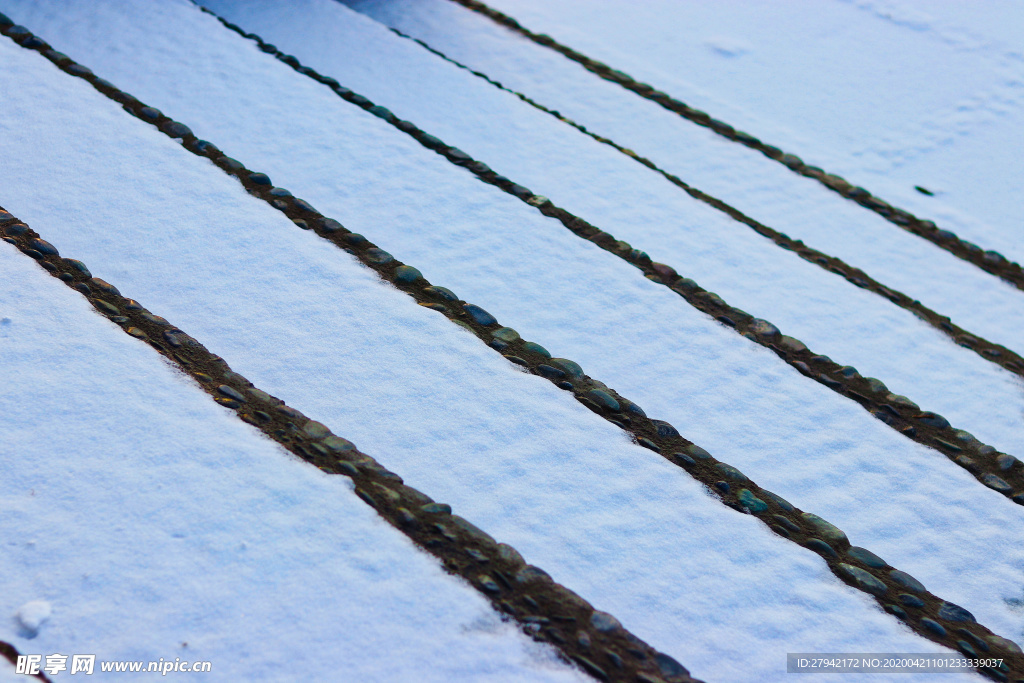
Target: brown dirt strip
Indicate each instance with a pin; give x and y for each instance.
(990, 261)
(999, 471)
(517, 589)
(11, 653)
(994, 353)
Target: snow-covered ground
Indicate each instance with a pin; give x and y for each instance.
(843, 83)
(825, 311)
(613, 521)
(762, 188)
(150, 523)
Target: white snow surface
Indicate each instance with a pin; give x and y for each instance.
(825, 311)
(762, 188)
(511, 453)
(142, 521)
(845, 82)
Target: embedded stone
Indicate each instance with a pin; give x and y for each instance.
(507, 553)
(752, 502)
(104, 286)
(529, 574)
(279, 192)
(604, 622)
(907, 581)
(951, 612)
(996, 483)
(695, 451)
(670, 667)
(150, 113)
(909, 600)
(571, 367)
(876, 386)
(1003, 643)
(231, 393)
(43, 247)
(437, 508)
(778, 500)
(550, 372)
(819, 546)
(665, 430)
(479, 315)
(866, 556)
(536, 348)
(441, 293)
(338, 444)
(79, 266)
(177, 130)
(315, 430)
(478, 534)
(933, 626)
(378, 256)
(902, 401)
(506, 334)
(407, 275)
(764, 329)
(932, 420)
(603, 399)
(826, 530)
(260, 179)
(863, 579)
(330, 225)
(1005, 461)
(730, 472)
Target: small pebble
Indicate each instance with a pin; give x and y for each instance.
(260, 179)
(571, 367)
(330, 225)
(479, 315)
(407, 275)
(933, 626)
(819, 546)
(536, 348)
(378, 256)
(731, 472)
(866, 556)
(665, 430)
(996, 483)
(751, 502)
(506, 334)
(826, 530)
(951, 612)
(909, 600)
(907, 581)
(864, 580)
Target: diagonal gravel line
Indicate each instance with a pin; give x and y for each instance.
(990, 261)
(926, 614)
(11, 654)
(545, 610)
(999, 471)
(994, 353)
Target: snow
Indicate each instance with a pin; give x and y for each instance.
(800, 207)
(511, 453)
(845, 83)
(141, 521)
(829, 314)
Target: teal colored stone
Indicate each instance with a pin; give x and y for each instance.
(537, 348)
(731, 472)
(831, 533)
(752, 502)
(407, 275)
(907, 581)
(505, 334)
(571, 367)
(865, 581)
(778, 500)
(866, 556)
(603, 399)
(79, 266)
